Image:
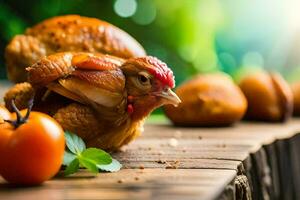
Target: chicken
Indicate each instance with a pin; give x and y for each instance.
(67, 33)
(107, 97)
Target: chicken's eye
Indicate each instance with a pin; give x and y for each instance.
(143, 79)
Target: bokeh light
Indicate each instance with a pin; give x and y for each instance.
(253, 58)
(227, 62)
(125, 8)
(146, 12)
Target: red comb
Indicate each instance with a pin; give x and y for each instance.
(157, 68)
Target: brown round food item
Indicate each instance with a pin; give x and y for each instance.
(208, 100)
(269, 97)
(67, 33)
(296, 94)
(21, 94)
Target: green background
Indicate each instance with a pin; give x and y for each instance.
(191, 36)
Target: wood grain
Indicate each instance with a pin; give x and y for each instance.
(245, 161)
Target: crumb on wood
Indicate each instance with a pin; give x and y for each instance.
(173, 142)
(172, 165)
(160, 153)
(120, 181)
(177, 134)
(141, 167)
(136, 178)
(200, 137)
(161, 161)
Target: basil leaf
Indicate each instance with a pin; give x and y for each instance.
(89, 164)
(97, 156)
(74, 143)
(72, 167)
(68, 157)
(114, 166)
(92, 159)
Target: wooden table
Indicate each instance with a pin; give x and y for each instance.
(246, 161)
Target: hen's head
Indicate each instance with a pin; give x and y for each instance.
(148, 82)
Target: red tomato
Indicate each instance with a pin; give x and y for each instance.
(33, 152)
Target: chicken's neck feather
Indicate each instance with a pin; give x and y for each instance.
(142, 106)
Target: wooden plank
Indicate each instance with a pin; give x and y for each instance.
(135, 184)
(256, 134)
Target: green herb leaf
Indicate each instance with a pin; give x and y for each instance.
(114, 166)
(89, 164)
(74, 143)
(68, 157)
(93, 159)
(72, 167)
(97, 156)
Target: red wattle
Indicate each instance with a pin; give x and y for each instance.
(130, 108)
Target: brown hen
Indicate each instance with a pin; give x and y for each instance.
(105, 98)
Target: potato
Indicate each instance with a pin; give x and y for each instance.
(296, 94)
(269, 97)
(208, 100)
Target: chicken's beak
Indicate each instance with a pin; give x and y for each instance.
(169, 97)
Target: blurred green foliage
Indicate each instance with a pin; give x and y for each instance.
(191, 36)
